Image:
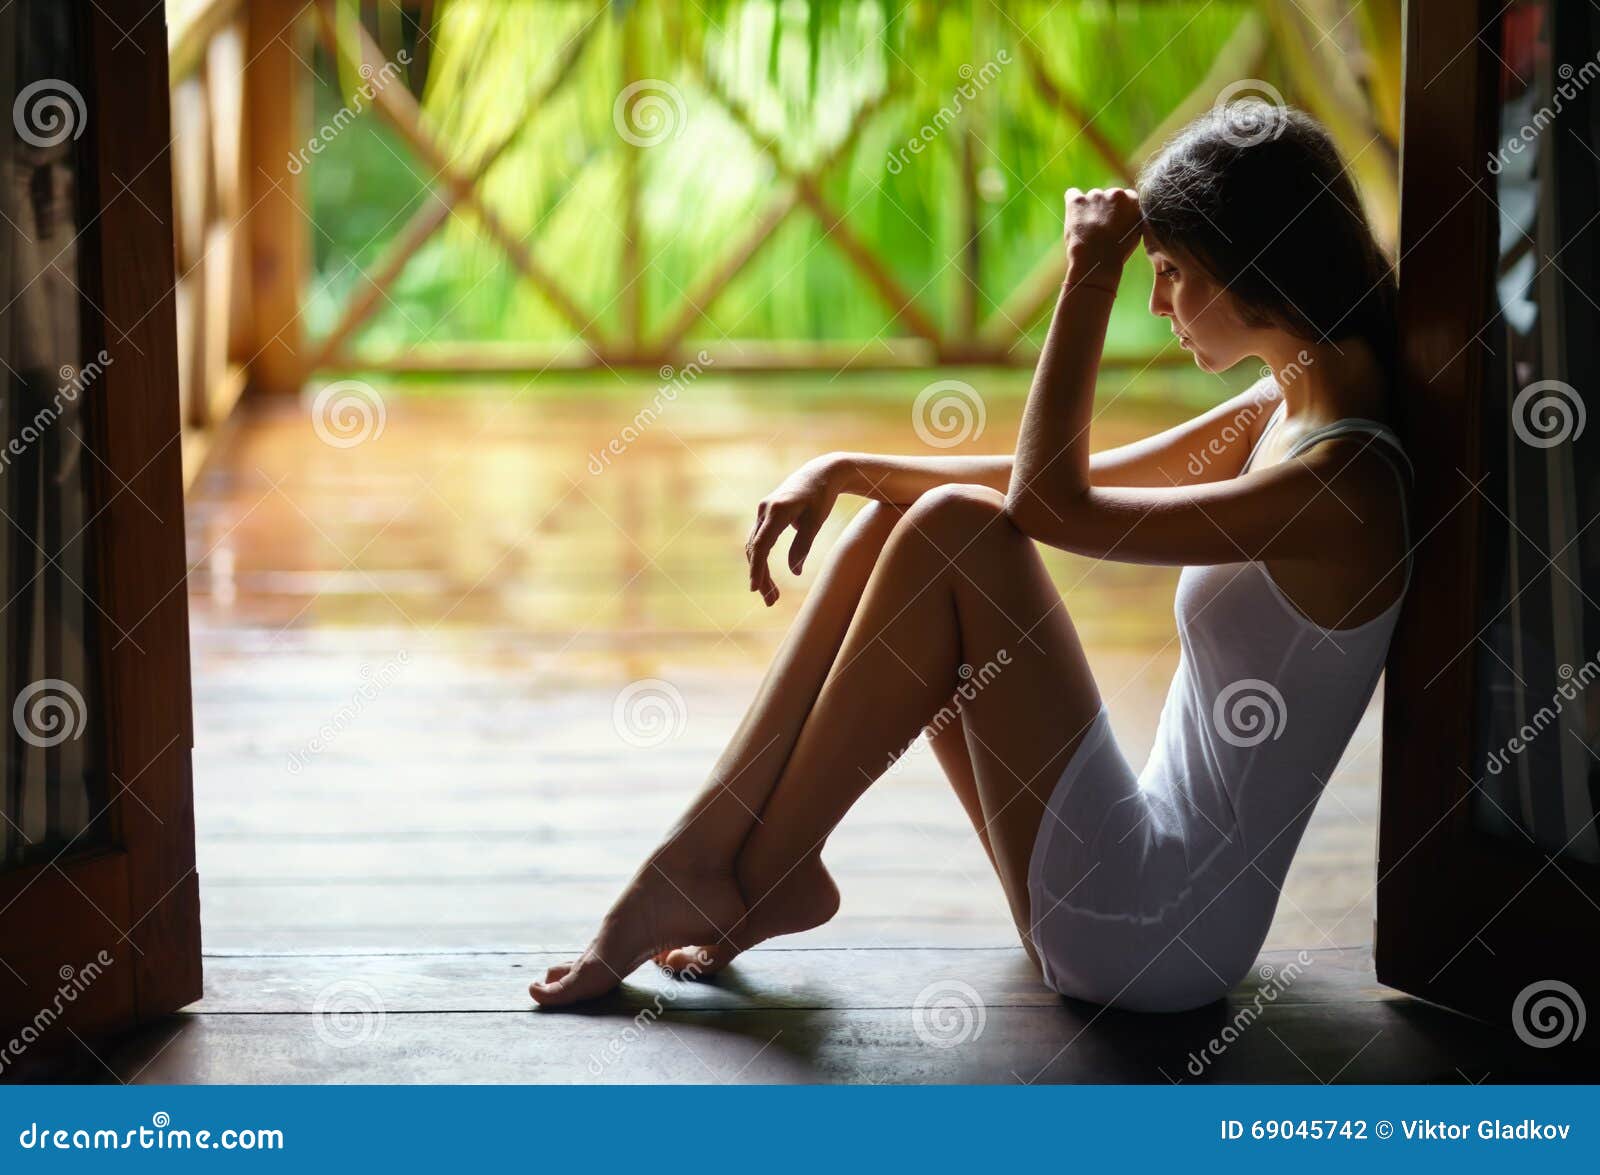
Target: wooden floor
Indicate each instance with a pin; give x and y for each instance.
(414, 789)
(867, 1015)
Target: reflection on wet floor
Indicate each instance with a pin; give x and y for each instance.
(411, 655)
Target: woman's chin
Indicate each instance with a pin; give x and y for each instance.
(1207, 362)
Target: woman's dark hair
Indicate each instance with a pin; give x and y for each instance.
(1258, 196)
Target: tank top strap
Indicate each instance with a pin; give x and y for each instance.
(1357, 424)
(1404, 472)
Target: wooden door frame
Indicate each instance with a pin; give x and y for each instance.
(138, 899)
(1464, 918)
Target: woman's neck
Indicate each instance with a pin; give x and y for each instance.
(1325, 382)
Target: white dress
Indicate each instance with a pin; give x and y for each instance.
(1154, 891)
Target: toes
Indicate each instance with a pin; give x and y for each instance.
(695, 962)
(673, 960)
(586, 980)
(557, 972)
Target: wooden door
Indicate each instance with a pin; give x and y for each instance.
(99, 902)
(1489, 849)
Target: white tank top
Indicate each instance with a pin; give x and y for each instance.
(1261, 708)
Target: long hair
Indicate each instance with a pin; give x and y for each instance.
(1258, 196)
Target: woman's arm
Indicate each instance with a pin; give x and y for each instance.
(902, 480)
(1210, 447)
(1052, 467)
(1293, 509)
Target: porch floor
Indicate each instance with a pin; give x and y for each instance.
(413, 792)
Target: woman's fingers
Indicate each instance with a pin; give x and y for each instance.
(805, 533)
(766, 534)
(758, 539)
(772, 520)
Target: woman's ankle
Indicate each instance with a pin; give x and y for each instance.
(681, 855)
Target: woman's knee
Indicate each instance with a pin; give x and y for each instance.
(952, 516)
(876, 520)
(868, 531)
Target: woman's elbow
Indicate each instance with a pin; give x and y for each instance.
(1060, 525)
(1032, 515)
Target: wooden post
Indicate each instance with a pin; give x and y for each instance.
(970, 261)
(631, 275)
(279, 237)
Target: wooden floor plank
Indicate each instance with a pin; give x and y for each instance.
(808, 1016)
(768, 977)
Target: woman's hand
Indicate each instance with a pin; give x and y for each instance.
(1102, 227)
(803, 501)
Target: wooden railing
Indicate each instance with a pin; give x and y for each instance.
(243, 230)
(209, 183)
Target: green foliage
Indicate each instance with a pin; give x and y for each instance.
(802, 70)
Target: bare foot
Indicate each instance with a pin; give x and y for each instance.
(660, 908)
(805, 898)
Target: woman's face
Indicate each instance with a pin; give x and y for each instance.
(1202, 311)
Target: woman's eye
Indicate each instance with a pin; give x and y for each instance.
(1169, 272)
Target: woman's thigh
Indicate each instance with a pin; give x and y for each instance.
(949, 744)
(1028, 694)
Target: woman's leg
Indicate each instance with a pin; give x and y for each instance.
(718, 821)
(807, 896)
(697, 856)
(950, 749)
(957, 584)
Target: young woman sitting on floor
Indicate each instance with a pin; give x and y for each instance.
(1286, 507)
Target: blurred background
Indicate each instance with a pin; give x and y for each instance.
(498, 318)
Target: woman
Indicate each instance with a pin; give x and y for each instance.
(1286, 506)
